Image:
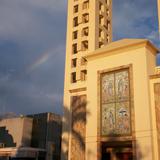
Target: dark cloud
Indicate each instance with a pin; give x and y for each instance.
(32, 48)
(32, 51)
(134, 18)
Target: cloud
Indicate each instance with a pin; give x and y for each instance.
(36, 91)
(136, 19)
(31, 21)
(32, 48)
(132, 20)
(50, 5)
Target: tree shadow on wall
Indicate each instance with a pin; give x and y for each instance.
(6, 138)
(74, 126)
(74, 122)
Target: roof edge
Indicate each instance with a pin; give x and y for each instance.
(113, 48)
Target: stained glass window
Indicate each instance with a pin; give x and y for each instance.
(115, 103)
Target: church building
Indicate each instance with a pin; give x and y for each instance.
(111, 90)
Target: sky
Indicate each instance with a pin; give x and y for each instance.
(32, 48)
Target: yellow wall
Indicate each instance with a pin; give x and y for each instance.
(93, 43)
(143, 64)
(155, 133)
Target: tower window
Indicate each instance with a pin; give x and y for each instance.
(107, 24)
(73, 77)
(100, 32)
(83, 61)
(85, 5)
(75, 21)
(74, 62)
(107, 2)
(84, 45)
(107, 12)
(74, 48)
(75, 9)
(101, 20)
(85, 31)
(101, 44)
(101, 6)
(83, 75)
(75, 35)
(85, 18)
(107, 37)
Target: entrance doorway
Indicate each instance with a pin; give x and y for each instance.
(116, 151)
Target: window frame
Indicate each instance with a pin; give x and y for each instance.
(132, 122)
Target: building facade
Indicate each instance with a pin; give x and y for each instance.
(89, 27)
(46, 134)
(111, 100)
(33, 137)
(126, 124)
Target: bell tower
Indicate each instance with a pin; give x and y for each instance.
(89, 27)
